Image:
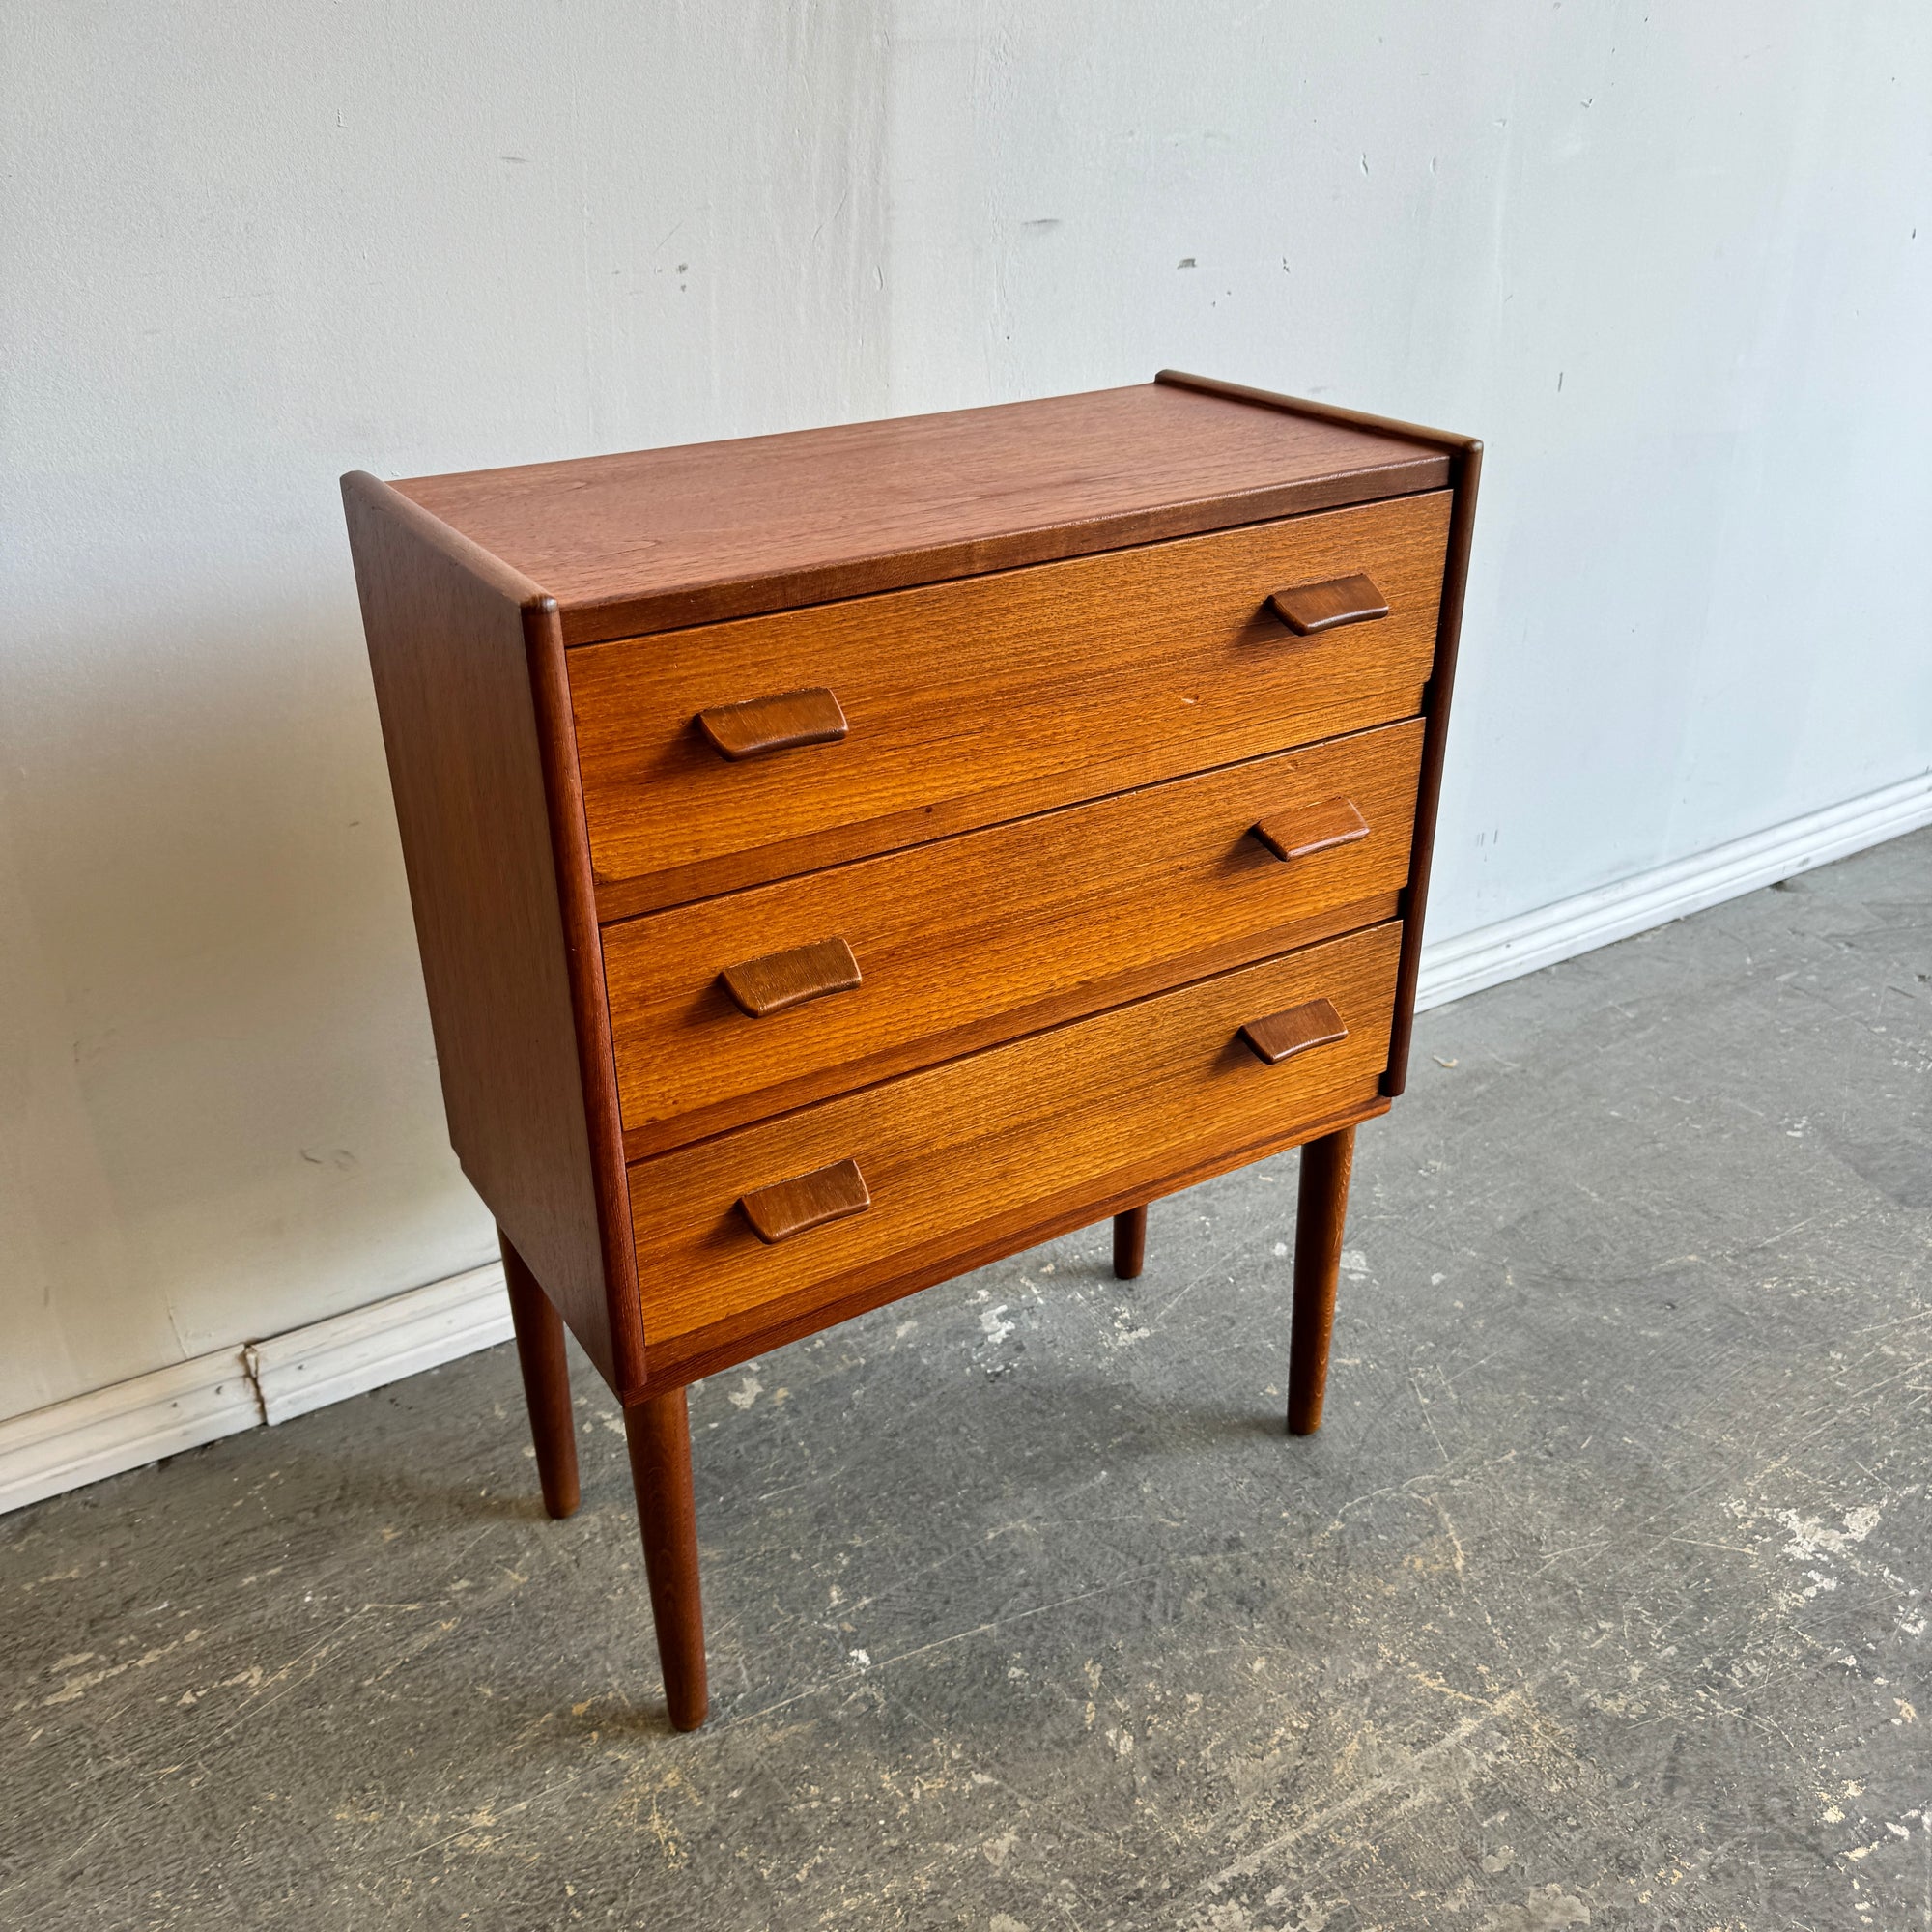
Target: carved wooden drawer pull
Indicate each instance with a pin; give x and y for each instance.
(771, 983)
(775, 723)
(1307, 609)
(1315, 828)
(1282, 1036)
(789, 1207)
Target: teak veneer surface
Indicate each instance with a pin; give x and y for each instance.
(468, 668)
(657, 538)
(1464, 455)
(680, 1359)
(949, 1153)
(992, 696)
(998, 932)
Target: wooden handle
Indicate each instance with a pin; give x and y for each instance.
(1307, 609)
(1282, 1036)
(779, 980)
(789, 1207)
(775, 723)
(1315, 828)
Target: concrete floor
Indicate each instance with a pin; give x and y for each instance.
(1600, 1600)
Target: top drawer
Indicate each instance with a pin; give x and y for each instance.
(985, 697)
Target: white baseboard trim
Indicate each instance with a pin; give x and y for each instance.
(120, 1427)
(309, 1368)
(112, 1430)
(1493, 953)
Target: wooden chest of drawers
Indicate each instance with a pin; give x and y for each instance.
(842, 859)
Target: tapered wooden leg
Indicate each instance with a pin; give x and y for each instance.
(546, 1382)
(1129, 1243)
(659, 1432)
(1320, 1215)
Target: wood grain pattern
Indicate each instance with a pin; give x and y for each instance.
(657, 1432)
(785, 721)
(1321, 1215)
(1465, 456)
(467, 660)
(1310, 609)
(1319, 827)
(995, 697)
(1280, 1037)
(776, 981)
(584, 963)
(755, 1331)
(998, 932)
(655, 539)
(806, 1201)
(951, 1151)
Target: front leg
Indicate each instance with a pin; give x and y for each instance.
(659, 1434)
(1320, 1211)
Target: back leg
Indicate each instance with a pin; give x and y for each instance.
(546, 1382)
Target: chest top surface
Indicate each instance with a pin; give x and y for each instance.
(661, 538)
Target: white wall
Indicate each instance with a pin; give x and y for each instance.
(1671, 264)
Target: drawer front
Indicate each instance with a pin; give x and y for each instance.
(972, 939)
(1139, 1093)
(989, 698)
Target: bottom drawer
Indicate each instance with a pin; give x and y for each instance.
(1158, 1090)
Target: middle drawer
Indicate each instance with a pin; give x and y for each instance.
(995, 933)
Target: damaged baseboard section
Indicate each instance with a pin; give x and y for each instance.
(130, 1424)
(309, 1368)
(123, 1426)
(113, 1429)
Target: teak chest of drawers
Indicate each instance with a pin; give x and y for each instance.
(842, 859)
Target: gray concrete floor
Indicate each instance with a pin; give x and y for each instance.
(1600, 1600)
